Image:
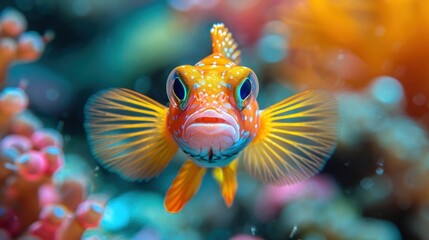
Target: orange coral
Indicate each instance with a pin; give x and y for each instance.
(340, 44)
(15, 43)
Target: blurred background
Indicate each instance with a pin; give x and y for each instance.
(372, 54)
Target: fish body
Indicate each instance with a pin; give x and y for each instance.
(215, 119)
(210, 127)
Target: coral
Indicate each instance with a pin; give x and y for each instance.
(317, 210)
(57, 222)
(371, 53)
(17, 45)
(32, 203)
(345, 44)
(12, 102)
(245, 237)
(399, 177)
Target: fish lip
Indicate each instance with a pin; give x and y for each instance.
(230, 120)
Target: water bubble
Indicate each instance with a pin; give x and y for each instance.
(379, 171)
(387, 90)
(96, 169)
(294, 231)
(253, 230)
(419, 99)
(366, 183)
(273, 48)
(116, 215)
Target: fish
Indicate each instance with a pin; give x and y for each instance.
(214, 118)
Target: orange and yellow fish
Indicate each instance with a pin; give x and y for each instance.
(215, 119)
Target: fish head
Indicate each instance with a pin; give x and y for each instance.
(213, 112)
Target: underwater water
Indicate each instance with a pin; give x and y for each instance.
(370, 55)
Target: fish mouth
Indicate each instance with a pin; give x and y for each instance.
(210, 120)
(210, 129)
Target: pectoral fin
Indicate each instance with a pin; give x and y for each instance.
(184, 186)
(227, 179)
(127, 133)
(296, 137)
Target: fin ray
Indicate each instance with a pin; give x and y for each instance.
(127, 133)
(226, 177)
(223, 43)
(184, 186)
(295, 138)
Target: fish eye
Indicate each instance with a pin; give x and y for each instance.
(245, 89)
(179, 89)
(249, 86)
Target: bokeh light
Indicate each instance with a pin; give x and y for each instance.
(371, 55)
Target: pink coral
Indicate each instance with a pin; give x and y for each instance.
(32, 204)
(15, 43)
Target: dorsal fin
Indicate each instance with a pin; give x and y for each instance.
(223, 43)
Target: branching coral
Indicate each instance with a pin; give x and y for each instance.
(15, 43)
(31, 202)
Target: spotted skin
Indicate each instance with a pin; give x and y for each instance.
(213, 84)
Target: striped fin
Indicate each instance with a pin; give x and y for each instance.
(184, 186)
(227, 179)
(295, 139)
(127, 133)
(223, 43)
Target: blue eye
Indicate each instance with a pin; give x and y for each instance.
(245, 89)
(179, 89)
(180, 92)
